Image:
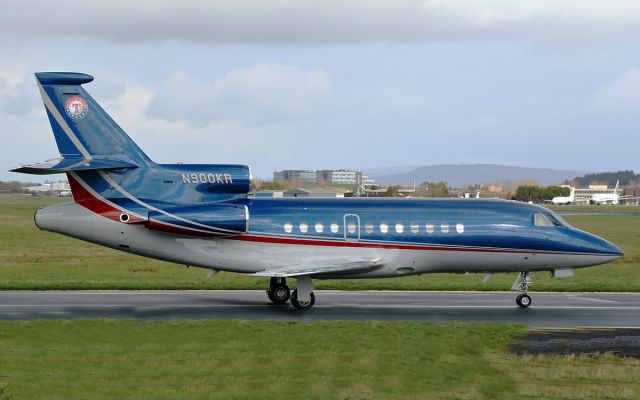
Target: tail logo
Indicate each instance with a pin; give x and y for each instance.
(76, 107)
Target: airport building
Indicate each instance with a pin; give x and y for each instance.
(308, 177)
(50, 187)
(327, 176)
(315, 192)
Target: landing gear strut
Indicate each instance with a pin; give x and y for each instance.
(303, 297)
(521, 284)
(278, 291)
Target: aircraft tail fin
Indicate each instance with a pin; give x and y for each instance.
(82, 129)
(104, 166)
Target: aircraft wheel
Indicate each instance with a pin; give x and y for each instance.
(279, 294)
(302, 305)
(523, 300)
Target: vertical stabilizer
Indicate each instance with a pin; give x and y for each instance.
(81, 127)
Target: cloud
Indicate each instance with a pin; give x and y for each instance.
(258, 94)
(312, 22)
(622, 94)
(18, 99)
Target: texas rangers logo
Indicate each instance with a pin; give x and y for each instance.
(76, 107)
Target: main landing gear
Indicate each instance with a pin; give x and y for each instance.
(521, 284)
(278, 291)
(302, 298)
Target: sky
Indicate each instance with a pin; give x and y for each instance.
(298, 84)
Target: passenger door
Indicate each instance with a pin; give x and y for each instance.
(351, 227)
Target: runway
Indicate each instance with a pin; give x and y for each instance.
(549, 310)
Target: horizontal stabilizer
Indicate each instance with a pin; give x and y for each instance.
(65, 164)
(327, 267)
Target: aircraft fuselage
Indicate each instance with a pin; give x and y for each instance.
(411, 236)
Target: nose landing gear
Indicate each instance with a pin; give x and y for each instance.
(521, 284)
(523, 300)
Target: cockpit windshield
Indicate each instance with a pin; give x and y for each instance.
(549, 219)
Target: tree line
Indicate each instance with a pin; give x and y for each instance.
(538, 194)
(610, 178)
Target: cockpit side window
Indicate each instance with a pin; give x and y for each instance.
(556, 219)
(549, 219)
(541, 219)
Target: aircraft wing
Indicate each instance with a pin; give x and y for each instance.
(326, 267)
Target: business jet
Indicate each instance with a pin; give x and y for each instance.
(200, 215)
(610, 198)
(565, 199)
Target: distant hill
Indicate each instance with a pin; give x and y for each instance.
(383, 171)
(460, 175)
(610, 178)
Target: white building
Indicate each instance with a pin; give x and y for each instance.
(329, 176)
(50, 187)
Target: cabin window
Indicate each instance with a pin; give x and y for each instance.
(460, 228)
(444, 227)
(384, 228)
(304, 227)
(415, 227)
(319, 227)
(351, 227)
(368, 227)
(334, 227)
(430, 227)
(399, 227)
(288, 227)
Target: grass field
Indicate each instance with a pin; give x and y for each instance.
(107, 359)
(33, 259)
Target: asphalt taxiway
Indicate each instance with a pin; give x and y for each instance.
(557, 310)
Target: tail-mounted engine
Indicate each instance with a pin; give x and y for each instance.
(212, 219)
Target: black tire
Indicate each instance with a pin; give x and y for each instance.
(270, 295)
(523, 300)
(302, 306)
(279, 294)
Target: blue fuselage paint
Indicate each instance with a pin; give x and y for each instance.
(473, 223)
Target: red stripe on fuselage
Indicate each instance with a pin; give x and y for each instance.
(331, 243)
(87, 200)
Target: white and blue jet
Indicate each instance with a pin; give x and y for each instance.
(201, 215)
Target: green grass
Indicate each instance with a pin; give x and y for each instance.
(33, 259)
(107, 359)
(581, 208)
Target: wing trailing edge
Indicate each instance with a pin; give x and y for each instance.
(327, 267)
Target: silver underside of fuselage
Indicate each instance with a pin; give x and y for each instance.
(249, 257)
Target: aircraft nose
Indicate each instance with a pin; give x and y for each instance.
(605, 247)
(615, 250)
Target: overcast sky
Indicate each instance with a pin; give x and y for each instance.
(297, 84)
